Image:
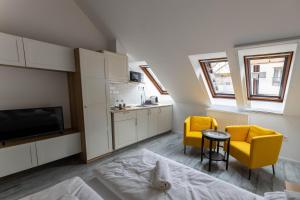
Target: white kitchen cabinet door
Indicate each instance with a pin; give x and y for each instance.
(164, 119)
(56, 148)
(142, 124)
(94, 103)
(48, 56)
(117, 67)
(11, 50)
(153, 122)
(125, 133)
(16, 158)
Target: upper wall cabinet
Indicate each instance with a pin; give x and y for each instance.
(116, 66)
(48, 56)
(11, 50)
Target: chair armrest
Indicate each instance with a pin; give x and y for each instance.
(214, 124)
(265, 150)
(238, 132)
(187, 125)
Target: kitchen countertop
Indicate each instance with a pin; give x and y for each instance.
(132, 108)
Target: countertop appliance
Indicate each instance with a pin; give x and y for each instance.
(136, 76)
(154, 99)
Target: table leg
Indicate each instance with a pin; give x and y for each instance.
(210, 154)
(218, 145)
(228, 149)
(202, 146)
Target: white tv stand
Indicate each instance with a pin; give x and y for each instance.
(27, 155)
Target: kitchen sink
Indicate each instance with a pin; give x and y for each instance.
(146, 105)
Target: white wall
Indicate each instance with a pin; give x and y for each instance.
(30, 88)
(131, 93)
(183, 110)
(55, 21)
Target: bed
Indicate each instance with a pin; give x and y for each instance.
(129, 177)
(70, 189)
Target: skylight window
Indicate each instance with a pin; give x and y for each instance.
(267, 76)
(153, 78)
(218, 77)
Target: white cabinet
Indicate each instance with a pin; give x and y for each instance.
(11, 50)
(142, 124)
(57, 148)
(164, 119)
(125, 129)
(117, 67)
(93, 87)
(132, 126)
(48, 56)
(153, 122)
(16, 158)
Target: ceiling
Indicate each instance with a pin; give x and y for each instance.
(165, 32)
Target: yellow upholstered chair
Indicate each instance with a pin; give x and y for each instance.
(254, 146)
(193, 127)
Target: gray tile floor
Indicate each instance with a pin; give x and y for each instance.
(168, 145)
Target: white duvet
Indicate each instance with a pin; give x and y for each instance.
(70, 189)
(129, 178)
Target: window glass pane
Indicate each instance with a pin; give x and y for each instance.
(156, 79)
(153, 78)
(219, 74)
(266, 76)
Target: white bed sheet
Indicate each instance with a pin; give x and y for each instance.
(129, 178)
(102, 190)
(71, 189)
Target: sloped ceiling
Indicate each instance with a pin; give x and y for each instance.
(54, 21)
(165, 32)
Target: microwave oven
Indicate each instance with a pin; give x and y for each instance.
(136, 76)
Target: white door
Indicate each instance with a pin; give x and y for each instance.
(153, 122)
(142, 124)
(125, 133)
(11, 50)
(164, 119)
(117, 66)
(56, 148)
(94, 103)
(44, 55)
(16, 158)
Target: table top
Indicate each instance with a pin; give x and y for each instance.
(215, 135)
(292, 186)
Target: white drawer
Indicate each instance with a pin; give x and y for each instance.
(124, 115)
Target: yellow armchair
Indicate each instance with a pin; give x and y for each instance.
(193, 127)
(254, 146)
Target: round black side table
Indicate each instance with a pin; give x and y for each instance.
(215, 136)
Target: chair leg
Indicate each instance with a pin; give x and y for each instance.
(273, 168)
(184, 149)
(249, 176)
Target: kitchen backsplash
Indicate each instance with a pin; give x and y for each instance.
(131, 93)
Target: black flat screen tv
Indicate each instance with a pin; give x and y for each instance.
(22, 123)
